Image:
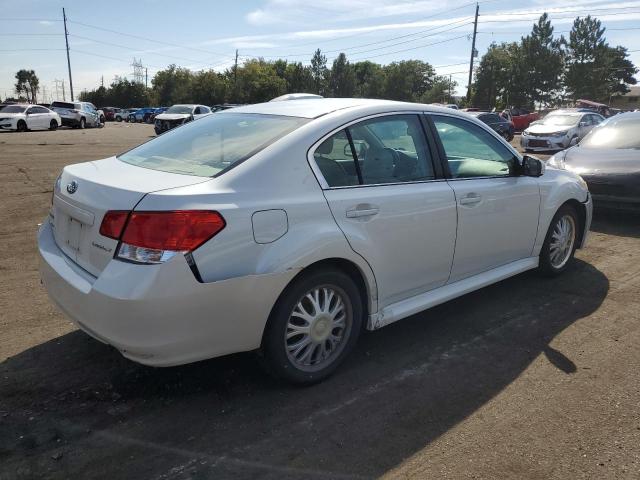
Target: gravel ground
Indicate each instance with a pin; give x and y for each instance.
(529, 378)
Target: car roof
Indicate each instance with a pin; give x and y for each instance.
(317, 107)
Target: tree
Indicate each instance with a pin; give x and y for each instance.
(259, 82)
(370, 79)
(543, 62)
(299, 78)
(501, 78)
(441, 90)
(342, 80)
(594, 69)
(408, 80)
(27, 82)
(319, 71)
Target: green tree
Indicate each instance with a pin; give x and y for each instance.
(370, 79)
(342, 79)
(319, 71)
(594, 69)
(27, 82)
(441, 91)
(408, 80)
(173, 85)
(543, 62)
(209, 87)
(501, 78)
(258, 81)
(299, 78)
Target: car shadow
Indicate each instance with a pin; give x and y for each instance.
(616, 222)
(74, 408)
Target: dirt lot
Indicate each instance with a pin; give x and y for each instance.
(529, 378)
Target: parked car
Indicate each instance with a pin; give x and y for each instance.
(123, 114)
(225, 106)
(288, 227)
(178, 115)
(503, 127)
(78, 114)
(110, 113)
(559, 130)
(157, 112)
(23, 117)
(520, 117)
(608, 159)
(142, 115)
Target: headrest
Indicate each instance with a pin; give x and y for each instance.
(325, 147)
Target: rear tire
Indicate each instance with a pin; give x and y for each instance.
(21, 126)
(314, 325)
(560, 243)
(53, 125)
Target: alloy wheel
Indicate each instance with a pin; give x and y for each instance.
(562, 241)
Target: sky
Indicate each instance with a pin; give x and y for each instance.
(105, 37)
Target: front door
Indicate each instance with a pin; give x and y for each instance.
(389, 203)
(498, 210)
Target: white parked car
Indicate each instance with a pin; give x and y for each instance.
(23, 117)
(178, 115)
(560, 129)
(78, 114)
(288, 227)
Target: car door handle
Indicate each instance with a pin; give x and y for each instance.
(362, 212)
(470, 199)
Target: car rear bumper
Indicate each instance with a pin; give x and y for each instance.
(160, 315)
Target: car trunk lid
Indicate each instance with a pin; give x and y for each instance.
(86, 191)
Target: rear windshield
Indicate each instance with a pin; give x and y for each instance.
(615, 132)
(180, 109)
(63, 105)
(208, 146)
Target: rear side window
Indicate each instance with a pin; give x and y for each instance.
(213, 144)
(63, 105)
(389, 149)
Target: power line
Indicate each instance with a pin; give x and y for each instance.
(159, 42)
(412, 48)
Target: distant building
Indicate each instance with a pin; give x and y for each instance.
(628, 101)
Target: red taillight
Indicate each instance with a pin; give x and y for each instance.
(180, 230)
(113, 223)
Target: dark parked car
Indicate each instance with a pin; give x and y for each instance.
(608, 159)
(504, 127)
(110, 113)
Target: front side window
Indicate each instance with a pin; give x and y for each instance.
(215, 143)
(471, 151)
(383, 150)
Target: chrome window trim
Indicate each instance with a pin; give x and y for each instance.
(318, 173)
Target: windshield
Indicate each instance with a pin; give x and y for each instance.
(212, 144)
(561, 120)
(614, 133)
(13, 109)
(180, 109)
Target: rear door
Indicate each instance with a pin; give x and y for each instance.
(498, 210)
(393, 207)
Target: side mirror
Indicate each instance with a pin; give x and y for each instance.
(532, 166)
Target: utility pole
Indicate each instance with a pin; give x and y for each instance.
(66, 41)
(102, 80)
(146, 77)
(473, 52)
(235, 78)
(450, 89)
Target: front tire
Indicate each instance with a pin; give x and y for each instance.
(313, 327)
(21, 126)
(53, 125)
(560, 243)
(83, 123)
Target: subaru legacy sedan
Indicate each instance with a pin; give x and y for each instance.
(289, 227)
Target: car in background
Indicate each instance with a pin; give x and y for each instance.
(503, 127)
(142, 115)
(123, 114)
(110, 113)
(178, 115)
(225, 106)
(157, 112)
(78, 114)
(608, 159)
(23, 117)
(520, 117)
(264, 228)
(559, 129)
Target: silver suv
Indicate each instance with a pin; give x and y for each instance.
(78, 114)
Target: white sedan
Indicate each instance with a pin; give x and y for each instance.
(23, 117)
(289, 227)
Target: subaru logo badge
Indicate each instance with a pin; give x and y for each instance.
(72, 187)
